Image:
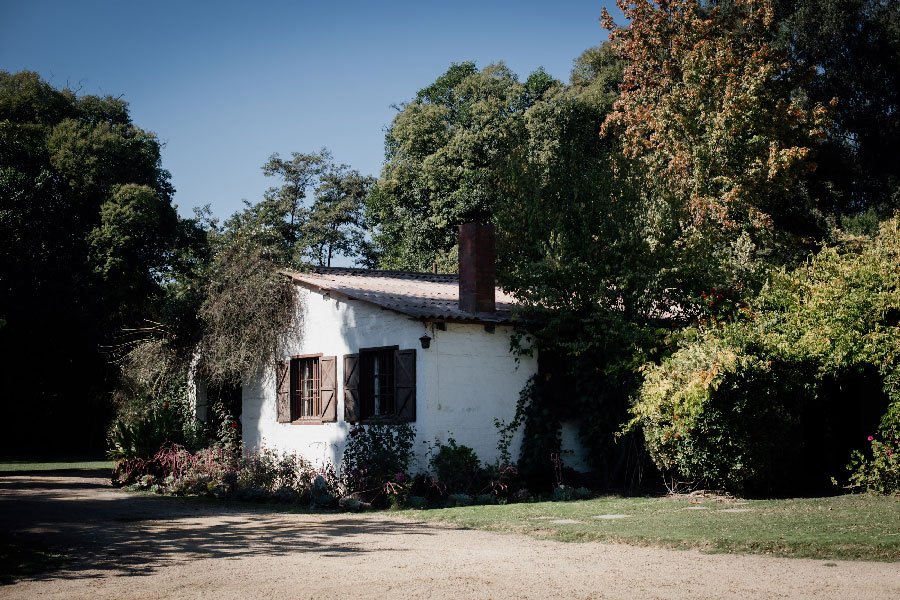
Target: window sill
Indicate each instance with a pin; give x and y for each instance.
(307, 422)
(384, 420)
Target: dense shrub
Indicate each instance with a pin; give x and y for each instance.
(753, 405)
(717, 416)
(457, 473)
(376, 461)
(145, 422)
(458, 468)
(878, 470)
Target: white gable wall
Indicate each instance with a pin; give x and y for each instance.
(464, 381)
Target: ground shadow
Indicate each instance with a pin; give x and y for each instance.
(73, 526)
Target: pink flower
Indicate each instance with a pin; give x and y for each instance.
(870, 438)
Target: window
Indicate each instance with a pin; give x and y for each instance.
(306, 389)
(305, 396)
(380, 385)
(376, 384)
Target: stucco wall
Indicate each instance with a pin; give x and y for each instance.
(464, 381)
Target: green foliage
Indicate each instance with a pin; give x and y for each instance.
(132, 234)
(716, 416)
(737, 402)
(565, 493)
(144, 424)
(375, 456)
(704, 180)
(849, 54)
(878, 470)
(450, 159)
(296, 232)
(335, 224)
(89, 239)
(571, 249)
(457, 468)
(248, 309)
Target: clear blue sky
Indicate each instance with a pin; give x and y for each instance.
(226, 84)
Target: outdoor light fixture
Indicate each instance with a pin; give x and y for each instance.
(426, 341)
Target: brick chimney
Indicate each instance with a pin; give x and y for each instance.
(477, 268)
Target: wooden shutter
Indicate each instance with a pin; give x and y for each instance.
(405, 384)
(328, 388)
(351, 388)
(283, 391)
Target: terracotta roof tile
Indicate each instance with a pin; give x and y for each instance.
(420, 295)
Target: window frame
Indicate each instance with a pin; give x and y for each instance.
(367, 385)
(296, 399)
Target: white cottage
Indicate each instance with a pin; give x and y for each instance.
(386, 346)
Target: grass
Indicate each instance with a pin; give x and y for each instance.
(851, 527)
(35, 466)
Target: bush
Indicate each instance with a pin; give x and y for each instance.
(565, 493)
(145, 423)
(376, 456)
(457, 473)
(458, 468)
(878, 471)
(712, 416)
(459, 500)
(264, 476)
(758, 404)
(417, 502)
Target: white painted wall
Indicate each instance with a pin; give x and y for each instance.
(464, 381)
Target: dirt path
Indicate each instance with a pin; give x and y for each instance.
(121, 546)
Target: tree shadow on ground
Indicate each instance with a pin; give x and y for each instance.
(76, 526)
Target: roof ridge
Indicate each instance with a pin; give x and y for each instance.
(418, 295)
(416, 275)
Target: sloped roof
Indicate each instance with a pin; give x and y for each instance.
(420, 295)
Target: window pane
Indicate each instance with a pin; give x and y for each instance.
(307, 389)
(383, 383)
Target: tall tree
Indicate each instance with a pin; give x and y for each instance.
(715, 138)
(849, 52)
(314, 215)
(88, 238)
(336, 222)
(450, 154)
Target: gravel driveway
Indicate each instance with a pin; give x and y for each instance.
(123, 546)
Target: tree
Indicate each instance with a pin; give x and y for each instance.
(298, 231)
(849, 53)
(715, 140)
(450, 158)
(480, 145)
(282, 213)
(88, 239)
(336, 223)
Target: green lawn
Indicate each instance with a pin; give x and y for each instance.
(854, 527)
(19, 466)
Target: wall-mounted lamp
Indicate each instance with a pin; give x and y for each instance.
(425, 341)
